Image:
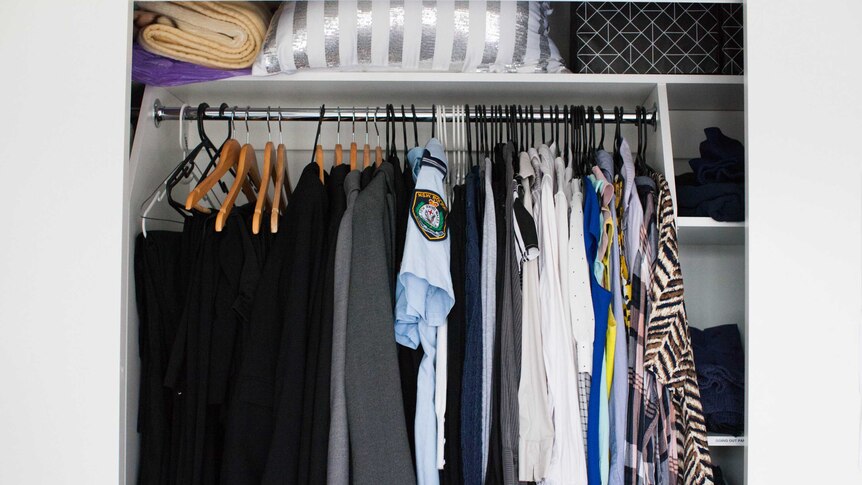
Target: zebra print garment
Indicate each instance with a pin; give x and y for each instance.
(668, 354)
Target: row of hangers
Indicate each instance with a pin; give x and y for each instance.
(489, 126)
(494, 125)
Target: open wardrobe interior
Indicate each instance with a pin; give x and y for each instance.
(434, 243)
(513, 273)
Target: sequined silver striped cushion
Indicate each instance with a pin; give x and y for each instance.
(475, 36)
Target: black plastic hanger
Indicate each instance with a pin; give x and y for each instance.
(641, 165)
(469, 138)
(589, 157)
(601, 113)
(557, 124)
(566, 135)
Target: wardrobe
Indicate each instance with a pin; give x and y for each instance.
(712, 253)
(722, 263)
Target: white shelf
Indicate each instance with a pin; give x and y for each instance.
(323, 75)
(704, 230)
(358, 88)
(715, 440)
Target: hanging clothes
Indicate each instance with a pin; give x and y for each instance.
(452, 473)
(409, 359)
(222, 285)
(489, 305)
(597, 431)
(424, 296)
(379, 448)
(618, 400)
(338, 456)
(160, 273)
(267, 392)
(536, 431)
(471, 386)
(316, 409)
(668, 351)
(528, 329)
(510, 328)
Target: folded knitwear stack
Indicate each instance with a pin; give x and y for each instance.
(221, 35)
(720, 363)
(716, 185)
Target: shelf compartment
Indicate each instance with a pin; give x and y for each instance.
(704, 230)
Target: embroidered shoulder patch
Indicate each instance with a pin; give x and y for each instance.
(429, 212)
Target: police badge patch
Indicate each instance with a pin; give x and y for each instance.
(429, 213)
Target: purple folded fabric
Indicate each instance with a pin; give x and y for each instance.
(156, 70)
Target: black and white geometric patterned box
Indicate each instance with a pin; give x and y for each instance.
(657, 38)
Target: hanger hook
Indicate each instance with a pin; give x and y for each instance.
(246, 125)
(280, 133)
(376, 129)
(268, 128)
(367, 111)
(353, 124)
(338, 127)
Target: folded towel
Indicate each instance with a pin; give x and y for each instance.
(222, 35)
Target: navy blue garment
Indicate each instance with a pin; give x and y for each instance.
(471, 385)
(452, 473)
(715, 188)
(720, 363)
(601, 304)
(721, 201)
(722, 159)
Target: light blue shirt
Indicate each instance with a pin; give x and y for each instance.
(424, 295)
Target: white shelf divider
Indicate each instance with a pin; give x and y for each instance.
(705, 230)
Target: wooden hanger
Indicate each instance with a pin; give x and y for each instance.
(263, 203)
(282, 180)
(228, 157)
(353, 143)
(366, 149)
(246, 166)
(339, 153)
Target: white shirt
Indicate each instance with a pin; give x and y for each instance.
(568, 456)
(580, 300)
(536, 436)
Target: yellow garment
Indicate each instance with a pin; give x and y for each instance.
(624, 265)
(611, 333)
(223, 35)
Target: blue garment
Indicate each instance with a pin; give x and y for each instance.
(618, 404)
(601, 302)
(414, 156)
(722, 159)
(720, 364)
(471, 385)
(424, 296)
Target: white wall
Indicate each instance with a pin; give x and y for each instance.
(802, 58)
(60, 255)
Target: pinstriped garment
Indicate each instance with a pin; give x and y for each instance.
(668, 354)
(510, 335)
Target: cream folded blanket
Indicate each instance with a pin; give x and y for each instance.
(223, 35)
